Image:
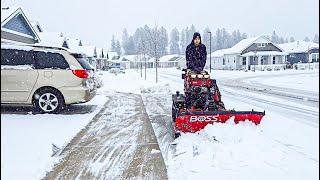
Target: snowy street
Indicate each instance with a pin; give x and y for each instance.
(111, 136)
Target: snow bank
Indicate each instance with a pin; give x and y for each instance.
(226, 151)
(26, 140)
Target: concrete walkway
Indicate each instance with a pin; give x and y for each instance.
(119, 143)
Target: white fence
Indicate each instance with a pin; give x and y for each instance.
(269, 67)
(303, 66)
(276, 67)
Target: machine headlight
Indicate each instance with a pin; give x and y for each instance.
(206, 76)
(200, 76)
(193, 76)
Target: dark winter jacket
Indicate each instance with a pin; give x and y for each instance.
(196, 56)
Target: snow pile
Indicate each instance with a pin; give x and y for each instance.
(226, 151)
(157, 89)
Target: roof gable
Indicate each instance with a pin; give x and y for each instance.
(15, 20)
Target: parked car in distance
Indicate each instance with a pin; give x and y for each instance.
(122, 70)
(46, 78)
(115, 68)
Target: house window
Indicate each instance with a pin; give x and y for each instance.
(261, 44)
(244, 61)
(315, 57)
(273, 60)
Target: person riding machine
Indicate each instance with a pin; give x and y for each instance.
(201, 102)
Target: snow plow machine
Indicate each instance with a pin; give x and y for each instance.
(201, 105)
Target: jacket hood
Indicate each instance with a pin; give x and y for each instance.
(194, 37)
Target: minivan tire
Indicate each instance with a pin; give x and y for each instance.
(48, 100)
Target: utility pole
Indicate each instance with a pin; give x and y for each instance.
(155, 55)
(140, 65)
(145, 66)
(210, 50)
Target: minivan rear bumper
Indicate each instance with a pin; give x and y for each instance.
(75, 95)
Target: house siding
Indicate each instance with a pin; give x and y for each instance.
(254, 47)
(17, 38)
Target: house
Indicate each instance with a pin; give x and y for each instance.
(112, 55)
(301, 51)
(89, 51)
(16, 28)
(249, 54)
(135, 61)
(52, 39)
(101, 59)
(172, 60)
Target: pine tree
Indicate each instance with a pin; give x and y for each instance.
(131, 46)
(163, 41)
(316, 38)
(275, 37)
(118, 48)
(206, 38)
(125, 40)
(182, 41)
(174, 41)
(113, 43)
(306, 39)
(292, 39)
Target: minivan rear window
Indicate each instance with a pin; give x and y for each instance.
(15, 57)
(84, 63)
(49, 60)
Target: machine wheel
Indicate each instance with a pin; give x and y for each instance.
(176, 135)
(174, 112)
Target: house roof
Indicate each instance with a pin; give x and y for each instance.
(134, 58)
(218, 53)
(36, 26)
(90, 51)
(52, 39)
(73, 43)
(111, 54)
(298, 46)
(10, 12)
(169, 58)
(6, 12)
(241, 46)
(99, 52)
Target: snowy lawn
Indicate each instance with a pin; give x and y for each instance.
(26, 140)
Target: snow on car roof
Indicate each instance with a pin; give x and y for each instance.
(7, 11)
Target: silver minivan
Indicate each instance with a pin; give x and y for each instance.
(47, 78)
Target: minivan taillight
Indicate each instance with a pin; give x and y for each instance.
(81, 73)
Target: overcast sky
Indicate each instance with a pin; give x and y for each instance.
(94, 21)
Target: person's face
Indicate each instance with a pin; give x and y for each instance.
(196, 41)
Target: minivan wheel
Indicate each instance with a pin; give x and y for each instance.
(48, 101)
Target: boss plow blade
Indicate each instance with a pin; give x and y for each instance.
(195, 121)
(201, 104)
